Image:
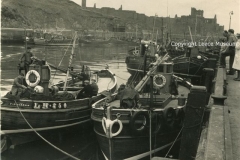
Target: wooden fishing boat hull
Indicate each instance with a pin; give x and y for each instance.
(184, 67)
(129, 147)
(132, 143)
(135, 64)
(12, 118)
(24, 116)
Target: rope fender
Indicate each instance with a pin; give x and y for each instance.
(107, 125)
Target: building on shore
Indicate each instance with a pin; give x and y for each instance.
(130, 21)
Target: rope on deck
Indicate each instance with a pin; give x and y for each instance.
(44, 138)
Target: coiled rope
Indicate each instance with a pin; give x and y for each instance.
(43, 137)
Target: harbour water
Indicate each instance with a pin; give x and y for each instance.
(82, 144)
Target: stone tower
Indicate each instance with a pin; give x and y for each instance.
(120, 8)
(84, 3)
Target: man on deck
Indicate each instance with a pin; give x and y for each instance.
(26, 58)
(94, 87)
(18, 87)
(129, 97)
(86, 92)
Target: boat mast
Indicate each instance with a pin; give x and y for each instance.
(25, 32)
(70, 61)
(190, 33)
(136, 31)
(150, 115)
(162, 31)
(154, 25)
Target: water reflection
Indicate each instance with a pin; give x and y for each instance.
(82, 145)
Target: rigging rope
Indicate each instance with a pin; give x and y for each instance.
(62, 58)
(43, 137)
(121, 78)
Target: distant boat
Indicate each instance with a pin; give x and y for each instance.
(53, 40)
(16, 35)
(187, 64)
(110, 41)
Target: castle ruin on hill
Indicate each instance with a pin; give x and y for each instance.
(129, 21)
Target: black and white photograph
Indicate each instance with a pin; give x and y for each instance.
(120, 80)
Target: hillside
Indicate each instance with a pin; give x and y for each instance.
(48, 14)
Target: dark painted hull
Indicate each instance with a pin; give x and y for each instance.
(134, 147)
(129, 146)
(17, 116)
(12, 119)
(131, 143)
(183, 66)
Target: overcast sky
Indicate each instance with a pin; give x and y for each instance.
(171, 7)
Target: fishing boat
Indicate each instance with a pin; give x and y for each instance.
(52, 39)
(188, 65)
(123, 132)
(45, 108)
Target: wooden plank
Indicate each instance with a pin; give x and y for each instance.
(202, 144)
(214, 149)
(219, 91)
(227, 136)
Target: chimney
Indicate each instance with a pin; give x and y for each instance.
(84, 3)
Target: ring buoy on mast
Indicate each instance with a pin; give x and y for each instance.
(155, 80)
(37, 78)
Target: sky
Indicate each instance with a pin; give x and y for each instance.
(221, 8)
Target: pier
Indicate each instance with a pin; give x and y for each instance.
(219, 138)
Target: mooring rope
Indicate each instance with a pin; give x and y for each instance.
(173, 142)
(43, 137)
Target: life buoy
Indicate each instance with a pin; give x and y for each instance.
(141, 129)
(169, 115)
(37, 78)
(136, 52)
(155, 80)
